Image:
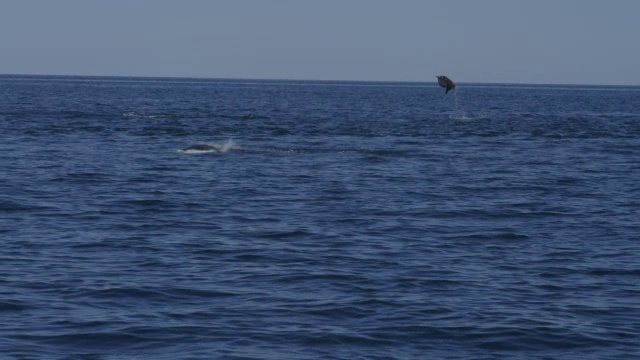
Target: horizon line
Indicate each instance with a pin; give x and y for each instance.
(169, 77)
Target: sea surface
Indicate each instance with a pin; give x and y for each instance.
(326, 220)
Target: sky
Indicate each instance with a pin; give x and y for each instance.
(497, 41)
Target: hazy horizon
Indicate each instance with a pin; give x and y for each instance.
(568, 42)
(416, 82)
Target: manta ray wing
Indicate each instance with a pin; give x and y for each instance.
(446, 83)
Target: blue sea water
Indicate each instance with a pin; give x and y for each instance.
(329, 220)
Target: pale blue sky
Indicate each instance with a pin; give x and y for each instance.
(513, 41)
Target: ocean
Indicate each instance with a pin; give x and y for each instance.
(324, 220)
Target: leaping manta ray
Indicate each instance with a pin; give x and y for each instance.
(446, 83)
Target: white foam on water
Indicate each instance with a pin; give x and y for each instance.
(458, 113)
(227, 146)
(136, 114)
(218, 148)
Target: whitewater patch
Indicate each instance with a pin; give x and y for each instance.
(206, 148)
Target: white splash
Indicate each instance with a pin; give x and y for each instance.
(458, 112)
(460, 115)
(227, 146)
(218, 148)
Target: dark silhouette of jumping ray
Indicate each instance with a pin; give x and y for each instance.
(446, 83)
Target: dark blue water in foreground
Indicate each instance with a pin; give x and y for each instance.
(329, 221)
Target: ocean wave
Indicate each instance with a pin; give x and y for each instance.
(347, 222)
(193, 115)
